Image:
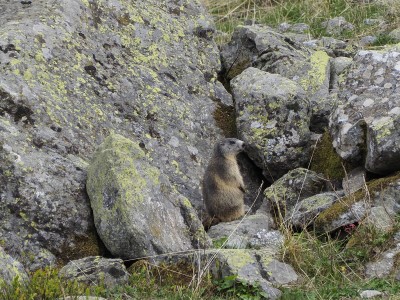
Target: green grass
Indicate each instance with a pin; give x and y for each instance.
(333, 268)
(350, 290)
(329, 268)
(230, 13)
(146, 283)
(384, 39)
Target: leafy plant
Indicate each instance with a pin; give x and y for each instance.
(230, 285)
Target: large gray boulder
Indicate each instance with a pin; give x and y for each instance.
(263, 48)
(366, 126)
(137, 212)
(71, 72)
(273, 119)
(288, 191)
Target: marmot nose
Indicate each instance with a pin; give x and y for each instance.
(243, 145)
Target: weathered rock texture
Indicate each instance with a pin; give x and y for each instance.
(366, 126)
(304, 213)
(254, 231)
(73, 71)
(10, 269)
(95, 270)
(273, 120)
(386, 263)
(136, 211)
(298, 184)
(262, 48)
(377, 204)
(251, 267)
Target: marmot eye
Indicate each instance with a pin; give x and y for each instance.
(231, 142)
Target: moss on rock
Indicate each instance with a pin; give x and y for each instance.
(325, 159)
(342, 206)
(225, 117)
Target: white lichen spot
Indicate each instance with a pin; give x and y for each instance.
(271, 124)
(397, 67)
(379, 80)
(174, 142)
(366, 74)
(380, 72)
(346, 127)
(193, 150)
(255, 125)
(388, 85)
(368, 102)
(295, 136)
(394, 111)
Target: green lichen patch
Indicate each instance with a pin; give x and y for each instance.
(317, 74)
(115, 164)
(238, 258)
(326, 161)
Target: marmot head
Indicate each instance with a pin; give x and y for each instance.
(229, 147)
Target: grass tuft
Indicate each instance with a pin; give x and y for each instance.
(229, 14)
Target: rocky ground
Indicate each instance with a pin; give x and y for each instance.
(108, 114)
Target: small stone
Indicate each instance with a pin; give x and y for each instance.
(283, 27)
(280, 273)
(337, 25)
(395, 34)
(300, 28)
(373, 22)
(368, 40)
(367, 294)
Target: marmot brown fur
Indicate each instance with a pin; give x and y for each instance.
(223, 187)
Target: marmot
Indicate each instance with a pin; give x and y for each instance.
(223, 187)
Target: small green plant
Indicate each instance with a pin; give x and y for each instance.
(44, 284)
(332, 267)
(384, 39)
(230, 285)
(147, 282)
(220, 242)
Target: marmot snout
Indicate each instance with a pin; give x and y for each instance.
(223, 187)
